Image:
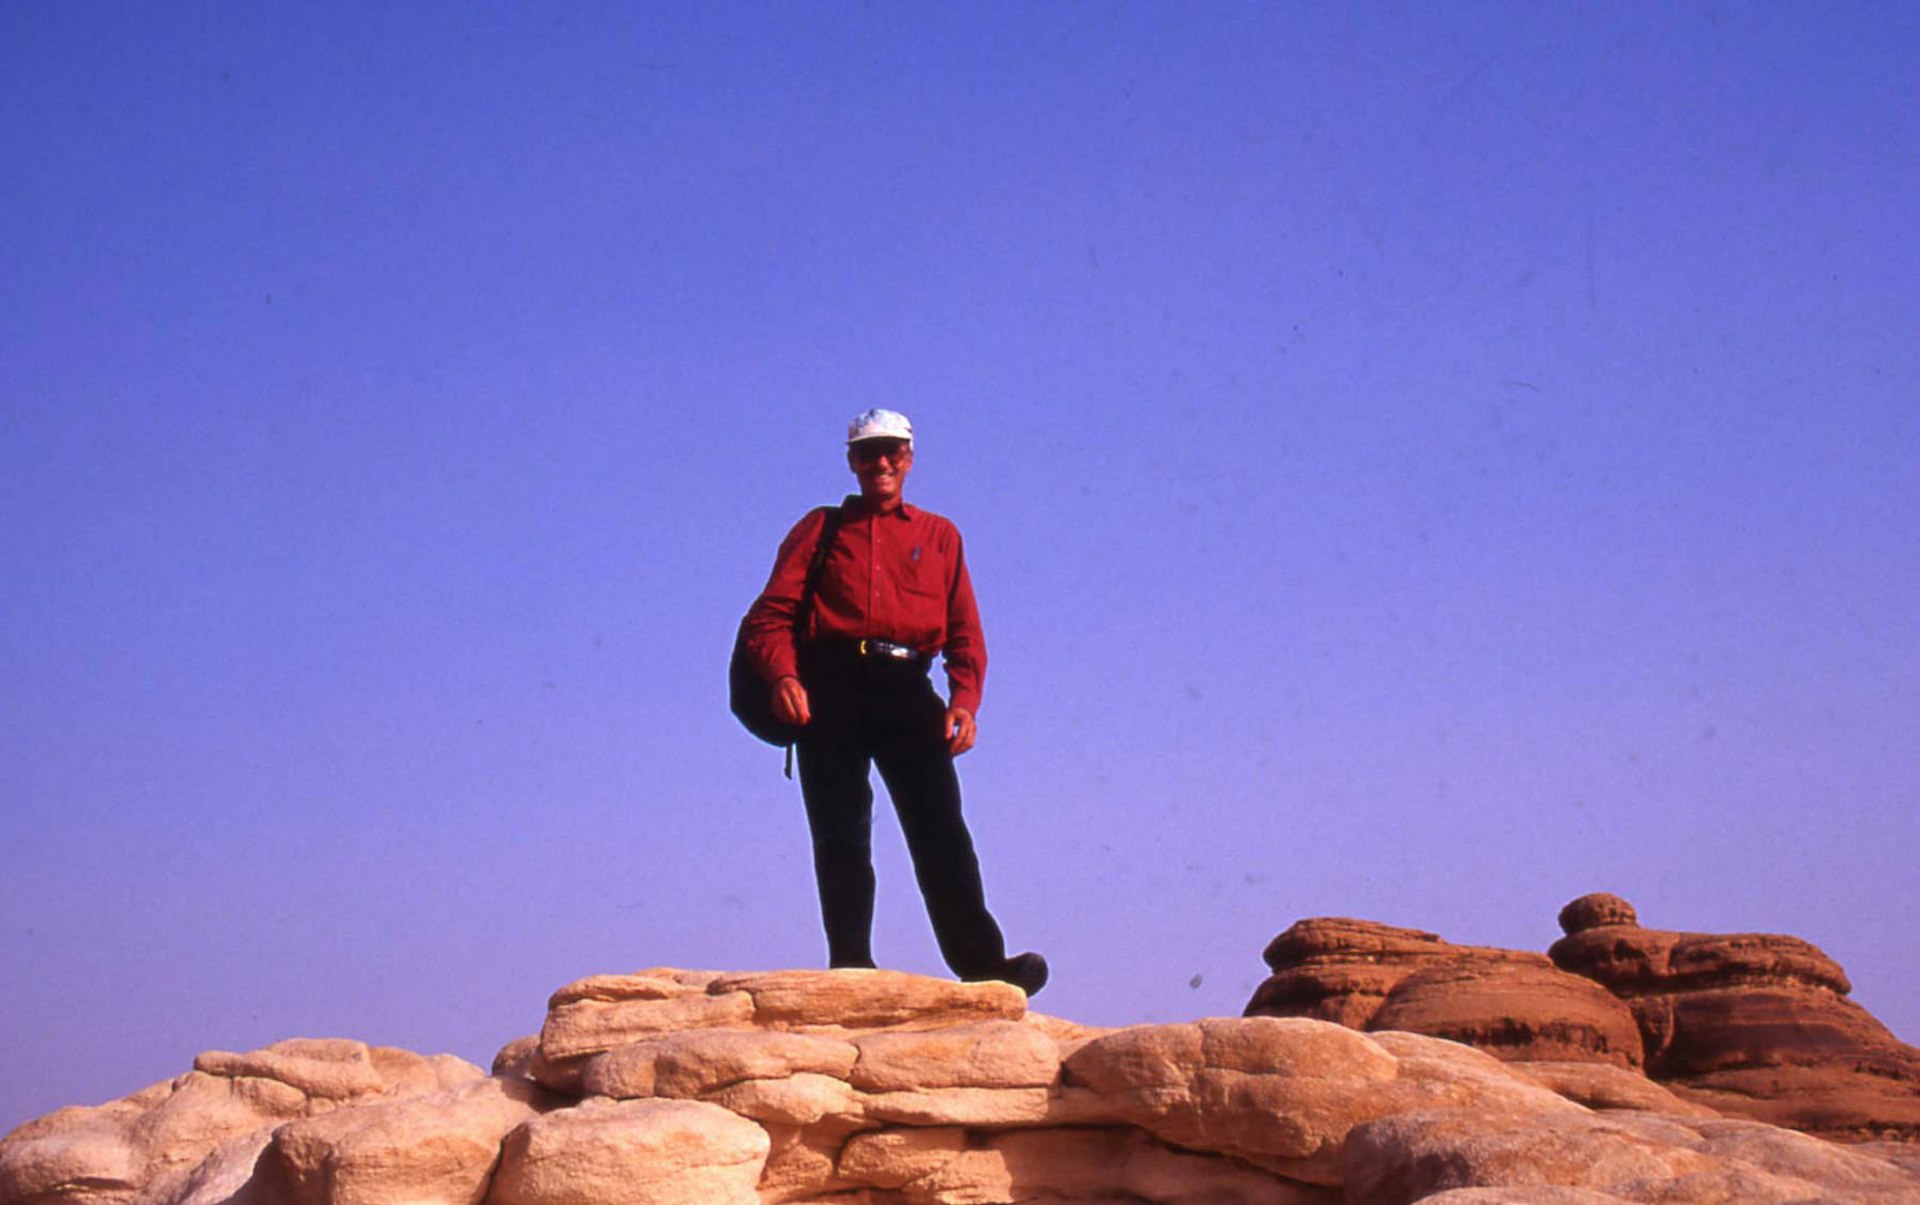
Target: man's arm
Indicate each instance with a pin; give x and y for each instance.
(965, 655)
(769, 622)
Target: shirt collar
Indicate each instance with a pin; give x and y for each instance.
(855, 505)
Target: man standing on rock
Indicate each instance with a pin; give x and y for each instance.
(892, 594)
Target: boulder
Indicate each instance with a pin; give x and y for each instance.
(639, 1152)
(1281, 1093)
(429, 1149)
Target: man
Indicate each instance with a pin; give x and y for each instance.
(892, 594)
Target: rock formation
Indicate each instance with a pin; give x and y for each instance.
(670, 1087)
(1752, 1025)
(1511, 1003)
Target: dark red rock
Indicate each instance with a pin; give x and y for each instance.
(1592, 911)
(1513, 1004)
(1753, 1024)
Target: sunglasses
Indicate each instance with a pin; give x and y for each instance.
(871, 450)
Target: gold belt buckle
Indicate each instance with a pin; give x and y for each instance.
(863, 646)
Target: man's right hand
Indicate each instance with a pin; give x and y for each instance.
(790, 702)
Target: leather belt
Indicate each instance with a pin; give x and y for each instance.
(887, 648)
(847, 648)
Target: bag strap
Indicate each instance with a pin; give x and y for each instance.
(829, 528)
(803, 614)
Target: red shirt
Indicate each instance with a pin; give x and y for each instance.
(898, 576)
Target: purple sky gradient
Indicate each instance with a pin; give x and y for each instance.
(1418, 462)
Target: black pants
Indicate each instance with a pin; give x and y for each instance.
(877, 711)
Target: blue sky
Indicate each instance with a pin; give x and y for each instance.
(1420, 463)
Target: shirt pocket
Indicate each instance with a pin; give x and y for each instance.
(925, 575)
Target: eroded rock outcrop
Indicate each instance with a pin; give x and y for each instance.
(671, 1087)
(1748, 1024)
(1511, 1003)
(201, 1137)
(1753, 1024)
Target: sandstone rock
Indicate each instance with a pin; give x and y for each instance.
(322, 1068)
(515, 1059)
(981, 1107)
(1635, 1157)
(802, 1099)
(160, 1134)
(868, 1102)
(1523, 1196)
(1092, 1164)
(862, 999)
(589, 1026)
(339, 1069)
(1280, 1091)
(949, 1167)
(153, 1144)
(893, 1159)
(430, 1149)
(801, 1164)
(1597, 909)
(1749, 1023)
(1404, 1158)
(643, 1152)
(693, 1063)
(1601, 1088)
(76, 1154)
(605, 1012)
(235, 1173)
(1379, 977)
(1433, 1074)
(659, 983)
(991, 1054)
(1841, 1171)
(1903, 1155)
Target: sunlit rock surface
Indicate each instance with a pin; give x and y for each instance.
(666, 1087)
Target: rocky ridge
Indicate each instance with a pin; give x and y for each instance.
(881, 1088)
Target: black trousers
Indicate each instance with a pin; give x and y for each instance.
(870, 712)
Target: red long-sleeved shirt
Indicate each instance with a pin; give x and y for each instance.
(897, 576)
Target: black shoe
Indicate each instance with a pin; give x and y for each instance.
(1028, 972)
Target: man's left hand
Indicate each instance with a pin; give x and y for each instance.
(960, 730)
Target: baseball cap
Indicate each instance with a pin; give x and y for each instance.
(880, 424)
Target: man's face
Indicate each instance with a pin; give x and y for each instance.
(881, 465)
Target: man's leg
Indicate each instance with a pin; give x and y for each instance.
(918, 770)
(834, 766)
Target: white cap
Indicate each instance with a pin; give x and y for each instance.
(880, 424)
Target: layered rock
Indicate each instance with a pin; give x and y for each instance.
(1749, 1024)
(1514, 1004)
(1753, 1024)
(672, 1087)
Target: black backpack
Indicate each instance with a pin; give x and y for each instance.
(747, 693)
